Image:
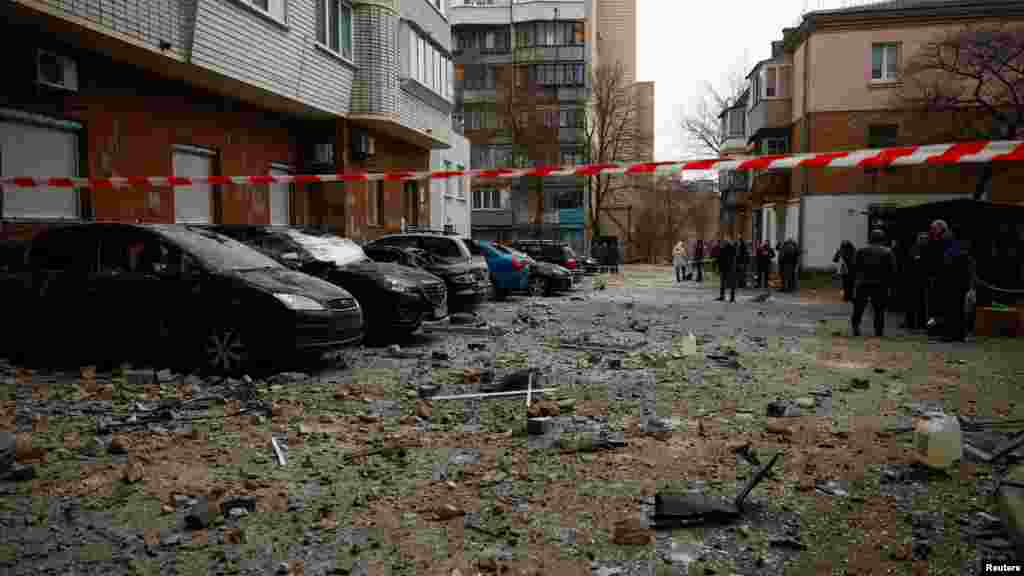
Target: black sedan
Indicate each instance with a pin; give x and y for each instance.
(467, 282)
(545, 278)
(395, 299)
(172, 295)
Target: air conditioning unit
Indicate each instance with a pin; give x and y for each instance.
(56, 71)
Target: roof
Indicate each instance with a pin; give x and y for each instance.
(979, 8)
(740, 102)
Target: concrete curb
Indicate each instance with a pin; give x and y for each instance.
(1011, 508)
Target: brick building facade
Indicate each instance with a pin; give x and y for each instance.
(148, 103)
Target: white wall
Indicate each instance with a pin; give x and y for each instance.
(450, 198)
(828, 221)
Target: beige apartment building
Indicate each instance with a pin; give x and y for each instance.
(833, 83)
(613, 38)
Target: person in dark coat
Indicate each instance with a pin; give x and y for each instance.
(846, 254)
(727, 253)
(698, 260)
(716, 248)
(915, 277)
(789, 255)
(952, 282)
(875, 267)
(765, 255)
(742, 262)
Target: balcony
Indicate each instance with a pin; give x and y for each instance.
(162, 26)
(771, 113)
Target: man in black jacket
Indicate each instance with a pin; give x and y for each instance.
(875, 267)
(698, 260)
(727, 266)
(916, 278)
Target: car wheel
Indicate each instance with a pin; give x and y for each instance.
(226, 350)
(538, 286)
(498, 293)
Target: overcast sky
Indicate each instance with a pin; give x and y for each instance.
(680, 45)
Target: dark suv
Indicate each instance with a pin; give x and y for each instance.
(551, 251)
(394, 299)
(459, 262)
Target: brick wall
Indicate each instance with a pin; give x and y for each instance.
(131, 121)
(849, 131)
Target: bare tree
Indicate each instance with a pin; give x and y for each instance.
(610, 136)
(975, 68)
(702, 127)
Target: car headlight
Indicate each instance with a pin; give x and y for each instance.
(463, 279)
(399, 285)
(297, 302)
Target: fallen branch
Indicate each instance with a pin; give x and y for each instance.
(492, 394)
(597, 349)
(277, 450)
(977, 453)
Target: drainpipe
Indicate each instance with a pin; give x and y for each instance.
(801, 239)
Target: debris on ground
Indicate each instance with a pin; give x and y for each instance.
(631, 532)
(674, 510)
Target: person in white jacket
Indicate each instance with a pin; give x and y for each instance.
(679, 260)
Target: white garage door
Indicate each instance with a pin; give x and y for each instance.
(30, 150)
(280, 198)
(192, 203)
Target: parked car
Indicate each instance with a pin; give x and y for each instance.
(394, 298)
(509, 272)
(545, 278)
(455, 259)
(552, 251)
(172, 295)
(591, 266)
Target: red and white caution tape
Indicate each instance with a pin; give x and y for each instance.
(936, 154)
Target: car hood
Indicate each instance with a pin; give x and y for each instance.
(286, 281)
(372, 269)
(455, 268)
(548, 268)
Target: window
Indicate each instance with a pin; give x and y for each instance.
(578, 34)
(439, 246)
(490, 39)
(770, 87)
(883, 135)
(773, 146)
(487, 199)
(884, 62)
(334, 26)
(375, 202)
(737, 119)
(431, 68)
(273, 8)
(72, 250)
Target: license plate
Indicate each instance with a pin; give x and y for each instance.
(440, 311)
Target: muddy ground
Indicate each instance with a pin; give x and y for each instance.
(378, 481)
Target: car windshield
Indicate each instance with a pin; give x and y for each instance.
(216, 250)
(329, 248)
(567, 252)
(442, 247)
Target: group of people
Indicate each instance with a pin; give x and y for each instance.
(732, 260)
(934, 275)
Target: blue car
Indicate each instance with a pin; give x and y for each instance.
(508, 272)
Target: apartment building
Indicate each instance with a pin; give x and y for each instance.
(833, 83)
(734, 215)
(544, 42)
(106, 88)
